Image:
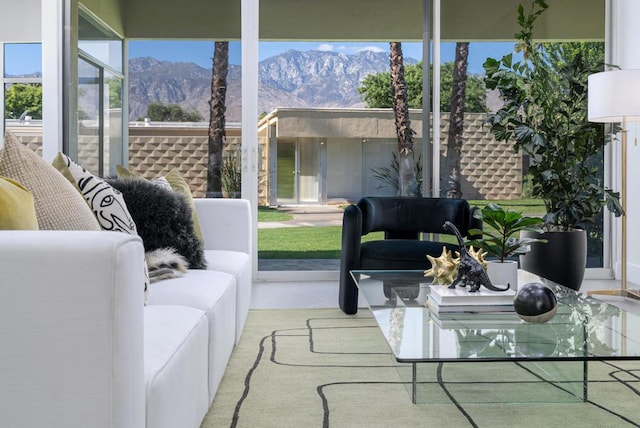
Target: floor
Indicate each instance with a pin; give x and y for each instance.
(273, 294)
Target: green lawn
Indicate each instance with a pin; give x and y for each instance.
(323, 242)
(272, 214)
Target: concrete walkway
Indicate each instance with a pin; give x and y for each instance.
(308, 215)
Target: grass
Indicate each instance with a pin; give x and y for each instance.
(321, 242)
(272, 214)
(528, 207)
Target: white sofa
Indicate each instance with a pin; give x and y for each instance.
(78, 346)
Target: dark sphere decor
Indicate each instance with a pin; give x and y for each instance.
(535, 303)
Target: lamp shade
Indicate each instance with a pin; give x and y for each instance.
(614, 96)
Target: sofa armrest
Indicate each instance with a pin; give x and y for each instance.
(225, 223)
(71, 328)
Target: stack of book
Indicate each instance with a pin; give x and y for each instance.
(442, 299)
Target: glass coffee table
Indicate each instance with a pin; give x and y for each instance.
(545, 362)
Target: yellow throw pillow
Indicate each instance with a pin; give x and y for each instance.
(17, 210)
(178, 184)
(124, 172)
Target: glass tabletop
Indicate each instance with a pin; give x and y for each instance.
(583, 328)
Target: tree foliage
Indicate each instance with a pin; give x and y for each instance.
(21, 97)
(160, 112)
(545, 115)
(375, 89)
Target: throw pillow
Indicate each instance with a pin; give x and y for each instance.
(17, 210)
(162, 217)
(165, 263)
(58, 205)
(107, 203)
(178, 184)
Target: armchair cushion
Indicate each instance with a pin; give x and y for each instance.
(395, 254)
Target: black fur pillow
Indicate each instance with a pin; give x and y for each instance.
(162, 217)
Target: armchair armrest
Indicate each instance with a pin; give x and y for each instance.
(225, 223)
(71, 328)
(350, 258)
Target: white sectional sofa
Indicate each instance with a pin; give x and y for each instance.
(79, 347)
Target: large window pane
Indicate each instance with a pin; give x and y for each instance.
(100, 93)
(100, 43)
(89, 116)
(22, 92)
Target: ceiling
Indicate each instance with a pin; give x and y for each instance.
(370, 20)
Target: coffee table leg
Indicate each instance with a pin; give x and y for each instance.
(585, 382)
(414, 385)
(585, 373)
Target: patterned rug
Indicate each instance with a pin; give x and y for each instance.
(322, 368)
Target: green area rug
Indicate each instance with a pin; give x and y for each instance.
(322, 368)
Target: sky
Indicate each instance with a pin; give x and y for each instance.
(26, 58)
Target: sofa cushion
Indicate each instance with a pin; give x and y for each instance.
(107, 203)
(176, 343)
(17, 210)
(163, 218)
(58, 205)
(214, 293)
(237, 264)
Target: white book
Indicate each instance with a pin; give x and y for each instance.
(442, 295)
(490, 320)
(452, 309)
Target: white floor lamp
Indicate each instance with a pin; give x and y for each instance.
(614, 96)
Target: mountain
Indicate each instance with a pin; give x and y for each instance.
(291, 79)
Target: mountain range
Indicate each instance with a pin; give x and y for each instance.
(290, 79)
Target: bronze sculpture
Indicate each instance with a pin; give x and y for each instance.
(470, 271)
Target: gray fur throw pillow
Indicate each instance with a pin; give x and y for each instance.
(163, 218)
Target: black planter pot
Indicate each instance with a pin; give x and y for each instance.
(562, 259)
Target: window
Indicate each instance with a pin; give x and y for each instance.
(100, 123)
(21, 90)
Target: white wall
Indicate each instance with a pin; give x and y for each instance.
(344, 168)
(20, 21)
(626, 54)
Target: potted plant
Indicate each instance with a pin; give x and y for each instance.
(545, 115)
(500, 237)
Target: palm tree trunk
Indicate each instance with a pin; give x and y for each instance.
(452, 187)
(217, 119)
(408, 185)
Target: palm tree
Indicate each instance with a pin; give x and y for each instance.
(217, 118)
(451, 187)
(408, 185)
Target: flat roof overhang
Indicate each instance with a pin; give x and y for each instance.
(365, 20)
